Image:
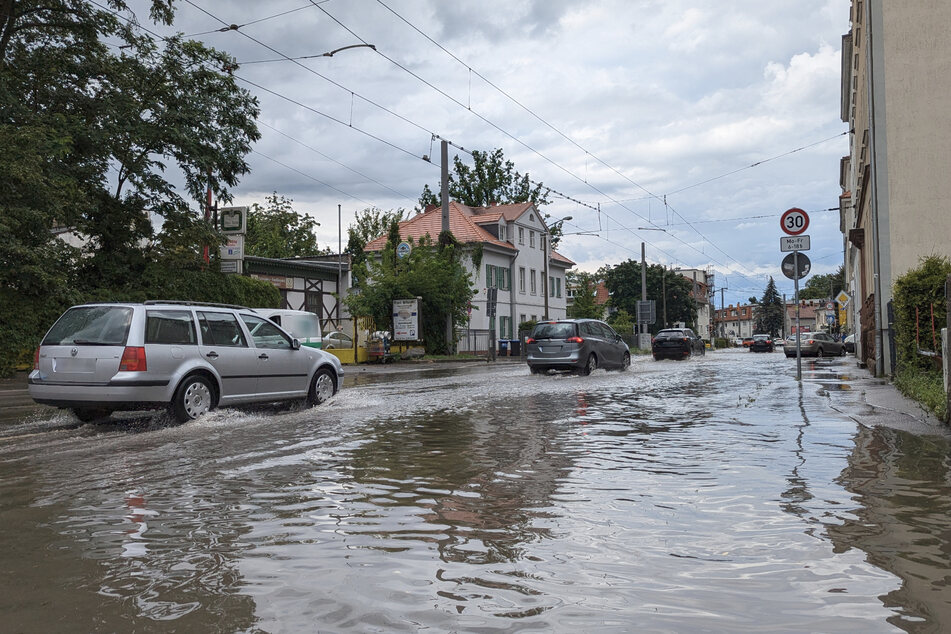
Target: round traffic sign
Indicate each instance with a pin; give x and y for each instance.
(789, 266)
(794, 221)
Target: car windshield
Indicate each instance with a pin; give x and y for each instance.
(557, 330)
(91, 326)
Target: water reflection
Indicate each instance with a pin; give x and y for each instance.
(901, 482)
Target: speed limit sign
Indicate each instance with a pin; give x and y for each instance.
(794, 221)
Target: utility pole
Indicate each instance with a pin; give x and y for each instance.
(444, 186)
(663, 287)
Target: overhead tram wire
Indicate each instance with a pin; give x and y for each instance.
(532, 149)
(374, 137)
(513, 137)
(232, 27)
(587, 152)
(313, 178)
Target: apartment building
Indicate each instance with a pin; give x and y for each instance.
(896, 80)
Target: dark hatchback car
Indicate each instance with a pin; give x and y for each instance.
(575, 345)
(762, 343)
(676, 343)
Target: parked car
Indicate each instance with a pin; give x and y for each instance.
(338, 340)
(299, 323)
(779, 341)
(575, 345)
(747, 342)
(814, 344)
(762, 343)
(676, 343)
(849, 343)
(188, 357)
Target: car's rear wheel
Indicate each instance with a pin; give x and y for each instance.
(89, 414)
(626, 361)
(322, 387)
(819, 352)
(194, 397)
(590, 366)
(535, 370)
(842, 352)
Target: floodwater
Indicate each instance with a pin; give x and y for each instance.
(715, 494)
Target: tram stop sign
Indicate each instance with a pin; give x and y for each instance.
(789, 266)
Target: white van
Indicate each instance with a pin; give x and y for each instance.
(303, 325)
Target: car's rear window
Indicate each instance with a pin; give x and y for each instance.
(671, 333)
(92, 326)
(558, 330)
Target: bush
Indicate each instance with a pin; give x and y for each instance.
(921, 288)
(924, 386)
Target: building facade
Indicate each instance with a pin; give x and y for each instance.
(517, 260)
(896, 78)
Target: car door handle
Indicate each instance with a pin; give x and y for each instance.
(262, 356)
(212, 355)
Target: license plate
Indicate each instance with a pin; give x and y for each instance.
(69, 364)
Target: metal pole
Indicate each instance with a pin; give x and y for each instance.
(643, 327)
(798, 329)
(339, 266)
(444, 199)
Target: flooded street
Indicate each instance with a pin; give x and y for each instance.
(716, 494)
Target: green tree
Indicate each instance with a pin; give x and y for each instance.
(368, 225)
(768, 312)
(97, 129)
(622, 322)
(275, 230)
(623, 282)
(491, 179)
(583, 289)
(824, 286)
(431, 271)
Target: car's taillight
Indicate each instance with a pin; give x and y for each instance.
(133, 359)
(36, 359)
(574, 340)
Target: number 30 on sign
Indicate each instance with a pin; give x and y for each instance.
(794, 221)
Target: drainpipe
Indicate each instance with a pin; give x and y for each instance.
(874, 202)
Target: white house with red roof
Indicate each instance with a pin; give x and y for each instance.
(516, 259)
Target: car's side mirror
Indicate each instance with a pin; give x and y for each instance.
(295, 344)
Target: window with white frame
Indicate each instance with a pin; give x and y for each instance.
(521, 318)
(531, 239)
(532, 281)
(502, 231)
(505, 327)
(521, 235)
(551, 286)
(489, 276)
(521, 280)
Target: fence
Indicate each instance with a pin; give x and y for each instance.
(472, 341)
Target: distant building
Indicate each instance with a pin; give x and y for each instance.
(702, 285)
(734, 322)
(516, 259)
(893, 209)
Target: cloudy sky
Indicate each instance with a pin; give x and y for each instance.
(701, 121)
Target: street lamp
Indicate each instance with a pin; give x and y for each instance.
(547, 248)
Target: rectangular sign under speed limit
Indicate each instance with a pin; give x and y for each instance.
(793, 243)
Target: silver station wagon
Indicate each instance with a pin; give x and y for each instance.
(187, 357)
(575, 345)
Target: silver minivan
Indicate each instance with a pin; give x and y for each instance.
(184, 356)
(575, 345)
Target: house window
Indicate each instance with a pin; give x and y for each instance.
(521, 318)
(521, 235)
(551, 286)
(502, 231)
(505, 327)
(521, 280)
(531, 239)
(532, 282)
(541, 242)
(557, 287)
(503, 278)
(489, 276)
